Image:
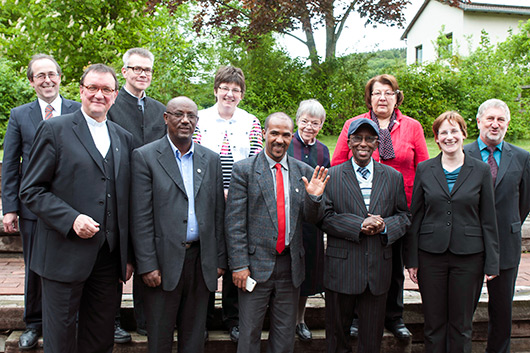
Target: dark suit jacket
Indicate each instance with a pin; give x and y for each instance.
(160, 212)
(353, 259)
(65, 178)
(145, 127)
(512, 199)
(462, 221)
(251, 219)
(19, 137)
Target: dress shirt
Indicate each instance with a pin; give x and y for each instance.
(56, 104)
(285, 174)
(141, 100)
(484, 153)
(99, 132)
(185, 164)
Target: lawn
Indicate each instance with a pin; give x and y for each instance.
(331, 141)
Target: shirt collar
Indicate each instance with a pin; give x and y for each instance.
(92, 122)
(482, 145)
(176, 151)
(272, 162)
(56, 104)
(141, 98)
(297, 135)
(370, 166)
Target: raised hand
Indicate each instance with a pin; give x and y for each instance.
(318, 181)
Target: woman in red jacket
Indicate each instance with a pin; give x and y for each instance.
(402, 146)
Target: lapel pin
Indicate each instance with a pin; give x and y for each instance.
(116, 149)
(296, 189)
(199, 170)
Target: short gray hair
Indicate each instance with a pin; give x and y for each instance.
(36, 57)
(137, 51)
(313, 108)
(493, 103)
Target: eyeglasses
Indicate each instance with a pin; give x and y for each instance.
(93, 89)
(138, 70)
(359, 139)
(313, 124)
(179, 115)
(42, 76)
(378, 94)
(226, 90)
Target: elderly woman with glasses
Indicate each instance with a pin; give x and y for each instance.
(402, 146)
(306, 148)
(235, 135)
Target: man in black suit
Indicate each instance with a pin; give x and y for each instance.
(44, 75)
(143, 117)
(77, 183)
(177, 229)
(510, 166)
(365, 212)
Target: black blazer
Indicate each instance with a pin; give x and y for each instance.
(64, 179)
(462, 221)
(20, 134)
(353, 260)
(159, 212)
(512, 199)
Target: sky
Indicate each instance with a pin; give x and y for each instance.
(357, 38)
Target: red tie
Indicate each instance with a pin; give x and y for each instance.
(48, 112)
(280, 209)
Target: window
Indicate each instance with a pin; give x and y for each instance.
(419, 54)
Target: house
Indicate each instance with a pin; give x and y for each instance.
(462, 25)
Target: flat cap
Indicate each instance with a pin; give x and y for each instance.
(356, 124)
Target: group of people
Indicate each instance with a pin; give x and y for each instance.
(121, 183)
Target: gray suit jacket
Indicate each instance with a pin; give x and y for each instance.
(354, 260)
(512, 199)
(64, 179)
(251, 218)
(19, 137)
(159, 212)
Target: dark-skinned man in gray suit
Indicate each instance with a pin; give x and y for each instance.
(365, 212)
(77, 183)
(510, 166)
(268, 198)
(177, 230)
(44, 75)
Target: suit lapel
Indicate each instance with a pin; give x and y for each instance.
(464, 173)
(266, 184)
(377, 185)
(115, 146)
(35, 114)
(439, 175)
(506, 160)
(199, 166)
(169, 164)
(85, 137)
(352, 185)
(295, 175)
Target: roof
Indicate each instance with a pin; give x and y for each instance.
(472, 7)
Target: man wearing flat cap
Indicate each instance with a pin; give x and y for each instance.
(365, 212)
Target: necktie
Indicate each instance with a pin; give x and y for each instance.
(280, 208)
(364, 172)
(48, 112)
(492, 163)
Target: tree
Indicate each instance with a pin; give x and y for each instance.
(248, 20)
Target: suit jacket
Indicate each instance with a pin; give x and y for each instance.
(160, 212)
(354, 260)
(146, 126)
(512, 199)
(65, 178)
(461, 221)
(251, 220)
(19, 137)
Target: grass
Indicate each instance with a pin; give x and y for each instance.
(432, 147)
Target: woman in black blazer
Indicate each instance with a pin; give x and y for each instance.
(453, 239)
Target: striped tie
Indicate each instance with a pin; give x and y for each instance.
(364, 172)
(48, 112)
